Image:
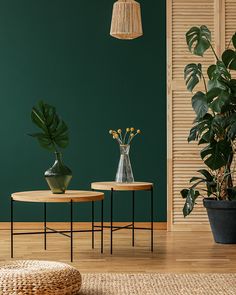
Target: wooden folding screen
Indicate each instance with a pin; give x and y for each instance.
(183, 158)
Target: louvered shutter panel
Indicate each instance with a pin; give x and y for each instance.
(183, 157)
(230, 20)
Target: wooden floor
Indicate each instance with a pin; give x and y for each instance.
(173, 252)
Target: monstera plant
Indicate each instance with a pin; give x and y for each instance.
(214, 128)
(53, 136)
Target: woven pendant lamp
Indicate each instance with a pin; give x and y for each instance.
(126, 20)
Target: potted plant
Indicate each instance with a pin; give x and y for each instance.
(214, 128)
(53, 137)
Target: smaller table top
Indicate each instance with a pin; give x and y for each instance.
(49, 197)
(118, 186)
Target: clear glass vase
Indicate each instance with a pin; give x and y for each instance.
(124, 171)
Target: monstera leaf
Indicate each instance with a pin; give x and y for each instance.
(229, 59)
(229, 56)
(192, 75)
(218, 76)
(198, 39)
(54, 132)
(231, 132)
(220, 101)
(201, 129)
(218, 71)
(199, 104)
(215, 155)
(218, 126)
(190, 196)
(208, 176)
(234, 40)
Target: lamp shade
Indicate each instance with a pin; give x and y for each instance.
(126, 20)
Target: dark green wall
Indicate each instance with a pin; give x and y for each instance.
(61, 51)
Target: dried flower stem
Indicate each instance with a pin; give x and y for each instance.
(131, 138)
(124, 137)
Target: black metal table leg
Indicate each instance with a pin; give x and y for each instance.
(92, 224)
(71, 231)
(152, 219)
(133, 218)
(12, 201)
(47, 230)
(111, 220)
(102, 226)
(45, 226)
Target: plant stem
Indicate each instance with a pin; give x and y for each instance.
(55, 147)
(205, 190)
(132, 137)
(124, 137)
(229, 43)
(120, 136)
(217, 58)
(129, 139)
(204, 81)
(118, 139)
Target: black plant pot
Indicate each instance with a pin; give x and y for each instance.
(222, 218)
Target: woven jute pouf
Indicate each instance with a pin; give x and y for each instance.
(34, 277)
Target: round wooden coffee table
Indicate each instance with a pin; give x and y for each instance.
(113, 186)
(70, 197)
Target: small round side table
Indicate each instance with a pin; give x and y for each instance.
(70, 197)
(113, 186)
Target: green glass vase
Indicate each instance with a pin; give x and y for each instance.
(58, 176)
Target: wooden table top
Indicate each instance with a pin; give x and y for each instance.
(117, 186)
(48, 197)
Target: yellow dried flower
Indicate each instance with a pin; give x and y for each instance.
(138, 131)
(110, 131)
(131, 135)
(127, 129)
(115, 135)
(119, 131)
(132, 129)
